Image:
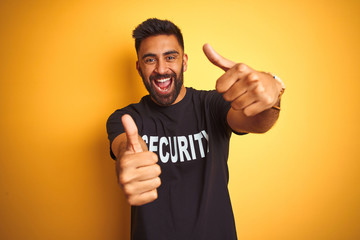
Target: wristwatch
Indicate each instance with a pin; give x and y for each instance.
(282, 89)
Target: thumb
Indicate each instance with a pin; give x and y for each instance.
(217, 59)
(132, 135)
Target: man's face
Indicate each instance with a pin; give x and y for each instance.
(161, 63)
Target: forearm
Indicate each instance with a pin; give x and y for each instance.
(260, 123)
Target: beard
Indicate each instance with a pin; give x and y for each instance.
(161, 99)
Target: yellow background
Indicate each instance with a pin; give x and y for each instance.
(66, 65)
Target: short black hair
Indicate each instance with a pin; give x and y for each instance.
(154, 27)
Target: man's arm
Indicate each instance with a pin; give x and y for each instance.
(260, 123)
(136, 168)
(254, 95)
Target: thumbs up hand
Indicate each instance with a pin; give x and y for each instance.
(138, 171)
(248, 90)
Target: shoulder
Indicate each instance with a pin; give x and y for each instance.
(135, 110)
(132, 109)
(203, 94)
(211, 97)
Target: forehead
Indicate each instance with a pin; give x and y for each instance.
(159, 44)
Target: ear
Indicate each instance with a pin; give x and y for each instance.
(138, 67)
(185, 60)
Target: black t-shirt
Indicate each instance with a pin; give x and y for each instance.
(191, 139)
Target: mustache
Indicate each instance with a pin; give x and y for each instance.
(159, 76)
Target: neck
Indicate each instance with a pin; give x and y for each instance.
(181, 95)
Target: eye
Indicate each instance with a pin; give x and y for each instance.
(170, 58)
(149, 60)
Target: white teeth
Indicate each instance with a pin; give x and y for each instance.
(163, 80)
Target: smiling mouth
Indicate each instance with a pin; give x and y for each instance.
(163, 84)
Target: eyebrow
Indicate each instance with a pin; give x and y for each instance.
(164, 54)
(170, 52)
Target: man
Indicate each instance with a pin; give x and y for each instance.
(171, 148)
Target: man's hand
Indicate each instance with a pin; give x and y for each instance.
(138, 173)
(248, 90)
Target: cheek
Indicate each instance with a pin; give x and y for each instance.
(177, 68)
(145, 72)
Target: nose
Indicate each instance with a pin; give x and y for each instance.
(161, 67)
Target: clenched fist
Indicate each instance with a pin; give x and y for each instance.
(248, 90)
